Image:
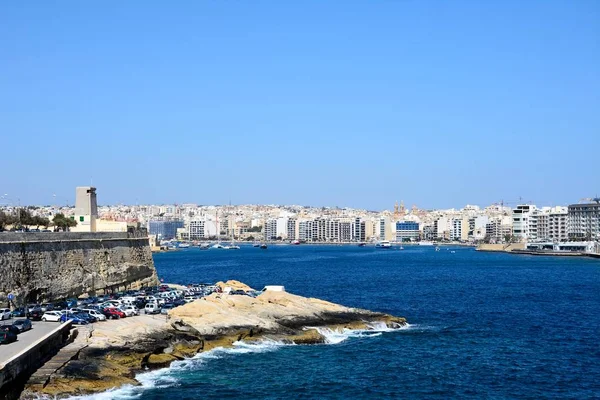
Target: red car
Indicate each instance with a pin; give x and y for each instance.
(113, 313)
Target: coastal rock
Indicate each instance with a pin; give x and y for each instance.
(119, 349)
(236, 285)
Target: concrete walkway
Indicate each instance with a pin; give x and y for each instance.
(64, 355)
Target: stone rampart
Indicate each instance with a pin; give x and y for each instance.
(47, 266)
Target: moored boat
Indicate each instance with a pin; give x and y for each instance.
(384, 244)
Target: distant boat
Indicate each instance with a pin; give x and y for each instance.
(204, 246)
(362, 244)
(217, 246)
(263, 246)
(384, 244)
(437, 249)
(296, 242)
(425, 243)
(183, 245)
(401, 248)
(256, 245)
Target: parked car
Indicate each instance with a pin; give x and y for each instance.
(47, 307)
(10, 328)
(31, 307)
(95, 313)
(5, 313)
(88, 317)
(113, 313)
(73, 317)
(19, 312)
(23, 324)
(130, 311)
(52, 316)
(35, 315)
(151, 308)
(7, 337)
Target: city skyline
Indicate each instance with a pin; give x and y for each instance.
(328, 104)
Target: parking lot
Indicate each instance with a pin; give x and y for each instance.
(24, 339)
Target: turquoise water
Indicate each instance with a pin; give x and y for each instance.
(482, 325)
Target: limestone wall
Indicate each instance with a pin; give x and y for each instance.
(49, 266)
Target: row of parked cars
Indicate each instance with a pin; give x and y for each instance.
(151, 300)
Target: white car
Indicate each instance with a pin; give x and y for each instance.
(95, 313)
(152, 308)
(52, 316)
(127, 310)
(5, 313)
(130, 310)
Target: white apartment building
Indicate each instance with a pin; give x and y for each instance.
(584, 221)
(551, 224)
(522, 229)
(292, 229)
(270, 229)
(459, 229)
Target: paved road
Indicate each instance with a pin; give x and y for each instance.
(24, 339)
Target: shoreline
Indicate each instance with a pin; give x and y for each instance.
(115, 355)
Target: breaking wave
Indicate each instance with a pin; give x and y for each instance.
(374, 329)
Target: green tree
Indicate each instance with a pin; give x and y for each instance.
(63, 223)
(255, 229)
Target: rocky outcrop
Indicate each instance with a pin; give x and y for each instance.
(119, 349)
(52, 266)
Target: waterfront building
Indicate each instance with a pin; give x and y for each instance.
(551, 224)
(459, 229)
(523, 227)
(282, 228)
(292, 231)
(270, 229)
(332, 230)
(196, 230)
(345, 231)
(479, 229)
(304, 230)
(359, 230)
(164, 229)
(441, 228)
(407, 231)
(584, 221)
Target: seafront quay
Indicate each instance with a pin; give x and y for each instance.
(565, 249)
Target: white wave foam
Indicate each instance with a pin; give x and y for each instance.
(374, 329)
(167, 377)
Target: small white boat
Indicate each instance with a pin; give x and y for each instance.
(384, 244)
(183, 245)
(217, 246)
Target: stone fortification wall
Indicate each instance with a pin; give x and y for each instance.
(48, 266)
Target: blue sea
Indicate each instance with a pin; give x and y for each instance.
(482, 325)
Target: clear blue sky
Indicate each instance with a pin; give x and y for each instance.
(347, 103)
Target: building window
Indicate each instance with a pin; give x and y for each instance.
(81, 218)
